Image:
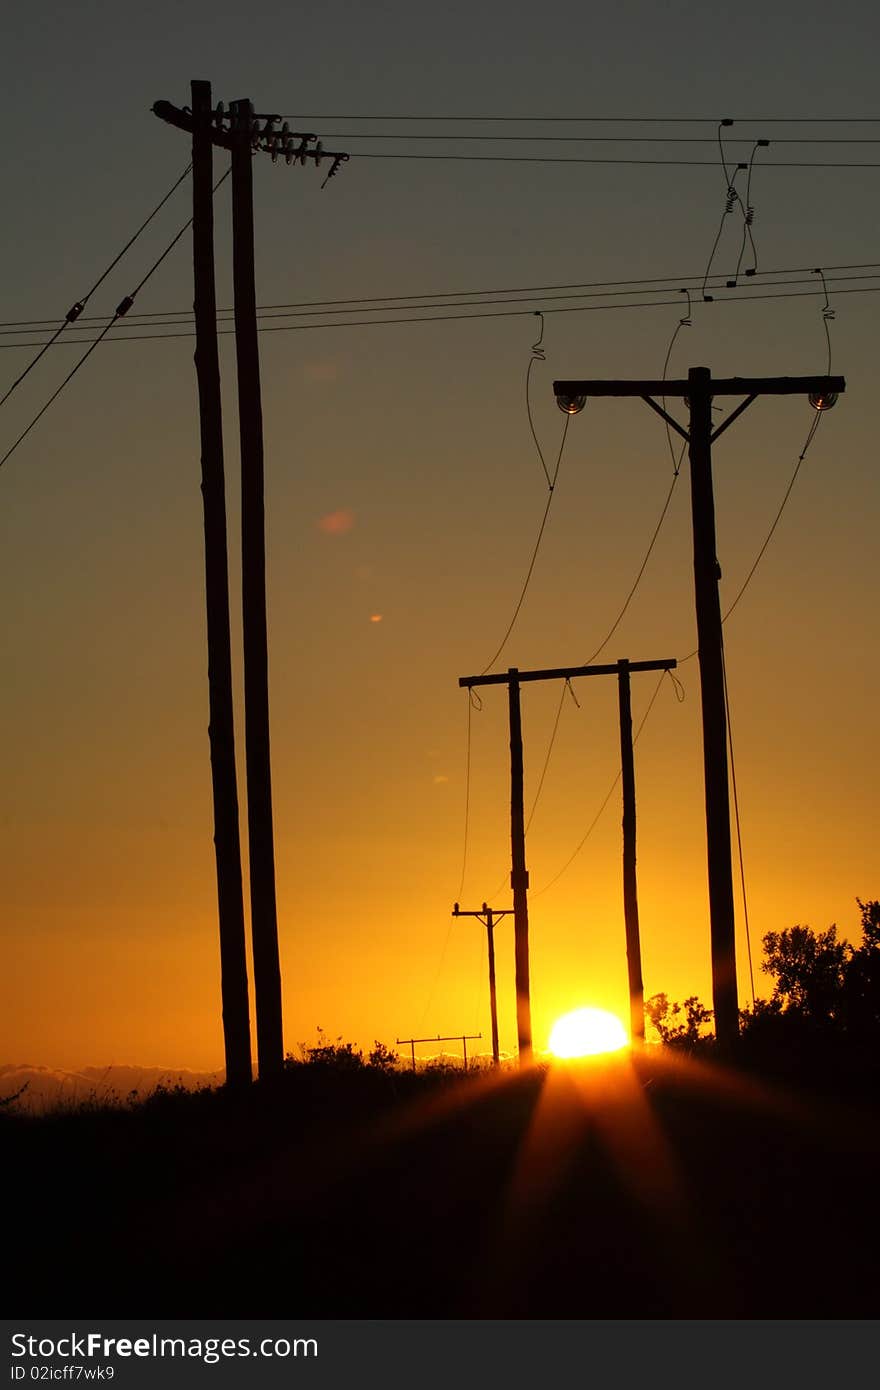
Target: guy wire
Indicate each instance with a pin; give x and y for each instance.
(76, 309)
(742, 871)
(122, 309)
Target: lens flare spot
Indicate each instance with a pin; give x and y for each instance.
(587, 1032)
(375, 617)
(337, 523)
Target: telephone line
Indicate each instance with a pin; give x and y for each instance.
(388, 299)
(618, 120)
(610, 139)
(77, 307)
(458, 318)
(180, 318)
(585, 159)
(121, 309)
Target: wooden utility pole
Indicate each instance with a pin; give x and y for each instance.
(630, 892)
(519, 877)
(221, 727)
(264, 918)
(699, 390)
(489, 917)
(241, 134)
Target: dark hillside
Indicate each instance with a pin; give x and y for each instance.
(655, 1189)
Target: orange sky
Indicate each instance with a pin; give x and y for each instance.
(404, 495)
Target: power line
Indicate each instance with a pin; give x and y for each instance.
(761, 277)
(594, 822)
(745, 584)
(76, 309)
(608, 139)
(458, 318)
(616, 120)
(589, 159)
(184, 316)
(676, 468)
(534, 557)
(122, 309)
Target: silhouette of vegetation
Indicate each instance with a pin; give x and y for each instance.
(318, 1194)
(681, 1026)
(826, 993)
(822, 982)
(821, 1023)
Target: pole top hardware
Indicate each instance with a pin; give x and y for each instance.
(266, 134)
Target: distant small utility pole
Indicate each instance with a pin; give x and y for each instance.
(698, 391)
(489, 917)
(240, 131)
(519, 877)
(463, 1038)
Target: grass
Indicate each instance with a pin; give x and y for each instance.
(658, 1188)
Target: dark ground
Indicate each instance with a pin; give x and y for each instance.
(661, 1188)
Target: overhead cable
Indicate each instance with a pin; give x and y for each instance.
(76, 308)
(663, 281)
(458, 318)
(121, 309)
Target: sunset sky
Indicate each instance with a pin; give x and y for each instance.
(404, 495)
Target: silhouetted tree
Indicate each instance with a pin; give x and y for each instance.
(862, 979)
(679, 1025)
(809, 970)
(826, 991)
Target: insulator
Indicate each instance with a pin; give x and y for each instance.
(123, 306)
(318, 154)
(337, 161)
(301, 153)
(74, 312)
(218, 113)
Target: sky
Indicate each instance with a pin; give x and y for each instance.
(404, 495)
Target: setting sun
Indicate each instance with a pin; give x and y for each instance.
(586, 1032)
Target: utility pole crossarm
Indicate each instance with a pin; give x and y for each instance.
(721, 386)
(293, 145)
(497, 913)
(565, 672)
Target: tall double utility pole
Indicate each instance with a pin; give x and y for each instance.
(221, 726)
(255, 641)
(519, 876)
(488, 917)
(241, 133)
(698, 391)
